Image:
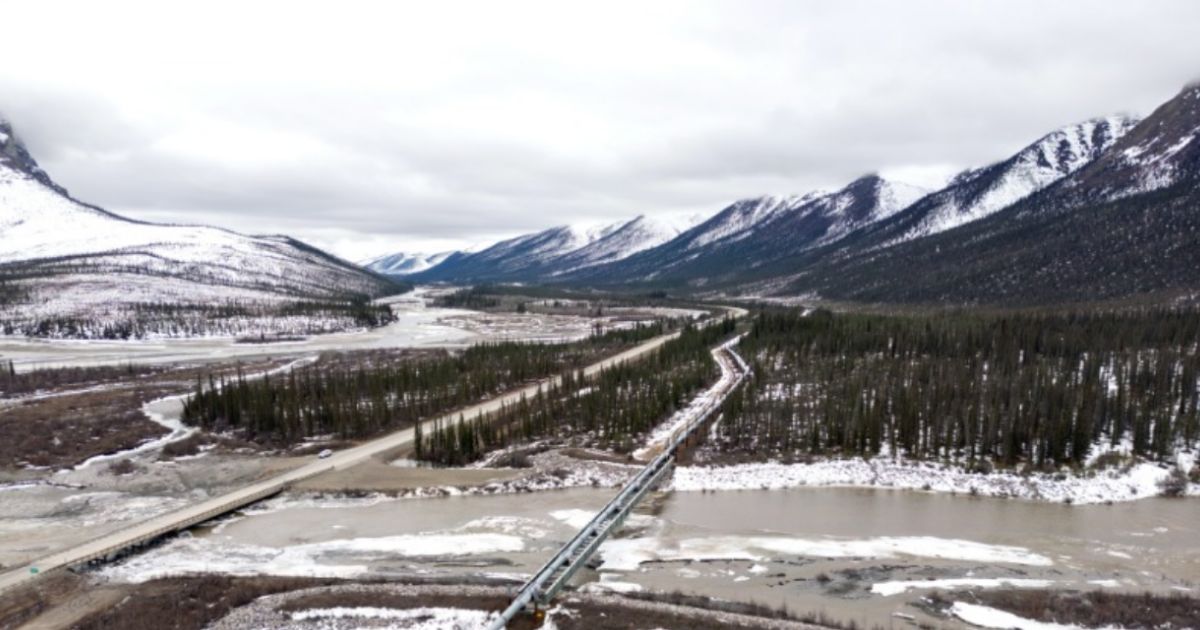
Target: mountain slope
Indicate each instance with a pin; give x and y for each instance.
(977, 193)
(402, 264)
(728, 247)
(1124, 226)
(616, 244)
(63, 260)
(516, 258)
(1157, 154)
(549, 253)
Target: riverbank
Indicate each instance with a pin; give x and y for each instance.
(1136, 480)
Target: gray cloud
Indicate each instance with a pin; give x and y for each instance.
(394, 128)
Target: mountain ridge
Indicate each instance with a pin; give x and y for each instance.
(62, 260)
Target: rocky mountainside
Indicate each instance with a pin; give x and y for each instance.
(71, 269)
(1101, 210)
(627, 239)
(1157, 154)
(402, 264)
(977, 193)
(551, 253)
(1123, 227)
(512, 259)
(755, 232)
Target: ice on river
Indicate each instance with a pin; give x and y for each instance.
(887, 589)
(628, 554)
(335, 558)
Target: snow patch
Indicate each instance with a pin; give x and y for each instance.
(888, 589)
(1137, 482)
(986, 617)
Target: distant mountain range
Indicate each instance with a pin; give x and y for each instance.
(1101, 210)
(405, 264)
(1107, 210)
(71, 269)
(546, 254)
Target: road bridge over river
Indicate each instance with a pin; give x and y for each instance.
(557, 572)
(116, 543)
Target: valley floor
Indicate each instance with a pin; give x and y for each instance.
(827, 536)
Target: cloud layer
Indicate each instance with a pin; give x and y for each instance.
(374, 127)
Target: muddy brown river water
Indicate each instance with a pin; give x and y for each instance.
(857, 555)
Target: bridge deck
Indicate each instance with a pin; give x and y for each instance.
(555, 574)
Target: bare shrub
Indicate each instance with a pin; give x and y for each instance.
(1111, 459)
(183, 448)
(1174, 484)
(1097, 608)
(190, 602)
(124, 466)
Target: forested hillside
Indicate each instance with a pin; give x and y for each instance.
(1015, 389)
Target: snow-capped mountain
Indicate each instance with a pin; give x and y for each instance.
(516, 258)
(402, 264)
(69, 261)
(828, 218)
(1160, 152)
(739, 220)
(549, 253)
(1119, 225)
(1100, 209)
(754, 232)
(616, 244)
(977, 193)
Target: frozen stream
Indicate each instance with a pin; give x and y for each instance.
(859, 555)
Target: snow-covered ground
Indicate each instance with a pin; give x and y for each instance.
(408, 619)
(697, 407)
(1135, 482)
(986, 617)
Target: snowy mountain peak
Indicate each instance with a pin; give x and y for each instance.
(402, 264)
(1160, 151)
(16, 157)
(1067, 149)
(826, 217)
(877, 198)
(83, 264)
(617, 242)
(737, 220)
(896, 196)
(977, 193)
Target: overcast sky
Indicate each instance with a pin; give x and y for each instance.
(369, 128)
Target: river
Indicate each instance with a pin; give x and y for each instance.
(856, 555)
